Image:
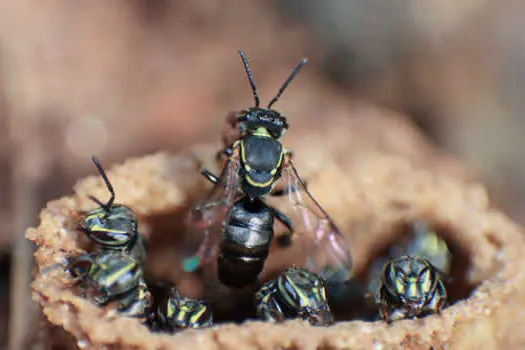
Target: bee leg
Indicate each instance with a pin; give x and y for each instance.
(285, 220)
(79, 265)
(382, 305)
(269, 310)
(285, 239)
(209, 175)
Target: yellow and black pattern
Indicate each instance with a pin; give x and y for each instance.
(296, 293)
(113, 226)
(177, 313)
(115, 280)
(410, 288)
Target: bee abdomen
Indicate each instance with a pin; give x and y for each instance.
(237, 268)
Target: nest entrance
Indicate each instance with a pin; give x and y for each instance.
(458, 285)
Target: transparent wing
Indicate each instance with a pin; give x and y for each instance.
(324, 249)
(207, 217)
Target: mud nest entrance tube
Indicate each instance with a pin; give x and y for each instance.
(486, 245)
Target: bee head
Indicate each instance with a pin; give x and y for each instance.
(305, 292)
(262, 122)
(112, 274)
(256, 118)
(411, 281)
(116, 229)
(110, 225)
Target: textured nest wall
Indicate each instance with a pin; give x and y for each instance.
(372, 178)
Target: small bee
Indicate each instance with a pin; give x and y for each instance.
(410, 288)
(295, 293)
(113, 227)
(114, 279)
(177, 313)
(423, 242)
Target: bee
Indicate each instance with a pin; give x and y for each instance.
(256, 161)
(410, 288)
(113, 279)
(112, 227)
(423, 242)
(177, 313)
(295, 293)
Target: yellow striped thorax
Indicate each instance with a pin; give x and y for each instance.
(261, 158)
(111, 274)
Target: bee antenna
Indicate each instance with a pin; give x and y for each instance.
(288, 81)
(250, 77)
(108, 205)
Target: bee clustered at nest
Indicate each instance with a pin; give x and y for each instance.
(372, 191)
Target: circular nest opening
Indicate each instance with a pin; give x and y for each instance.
(161, 189)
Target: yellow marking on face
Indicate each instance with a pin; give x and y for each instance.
(412, 287)
(323, 294)
(262, 132)
(400, 286)
(195, 317)
(119, 273)
(426, 283)
(181, 315)
(303, 298)
(170, 310)
(265, 298)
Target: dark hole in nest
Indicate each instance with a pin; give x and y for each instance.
(457, 284)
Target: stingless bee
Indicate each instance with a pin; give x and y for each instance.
(423, 242)
(177, 313)
(410, 288)
(256, 160)
(116, 280)
(112, 227)
(296, 293)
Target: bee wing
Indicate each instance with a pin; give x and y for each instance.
(207, 217)
(326, 251)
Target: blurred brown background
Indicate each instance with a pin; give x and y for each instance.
(124, 78)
